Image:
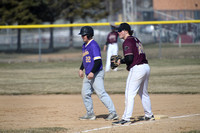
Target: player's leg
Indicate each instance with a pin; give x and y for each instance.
(115, 49)
(115, 52)
(143, 92)
(109, 54)
(132, 86)
(98, 86)
(86, 96)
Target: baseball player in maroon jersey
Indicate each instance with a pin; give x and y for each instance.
(138, 77)
(112, 47)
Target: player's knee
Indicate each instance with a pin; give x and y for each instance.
(101, 94)
(86, 94)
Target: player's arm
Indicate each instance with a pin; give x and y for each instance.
(97, 65)
(105, 46)
(107, 40)
(81, 67)
(81, 71)
(128, 54)
(128, 59)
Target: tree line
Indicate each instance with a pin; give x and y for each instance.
(24, 12)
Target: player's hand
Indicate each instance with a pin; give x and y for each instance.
(90, 76)
(119, 62)
(81, 73)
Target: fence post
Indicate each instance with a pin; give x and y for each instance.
(179, 41)
(160, 43)
(39, 45)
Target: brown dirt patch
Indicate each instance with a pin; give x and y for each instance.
(30, 111)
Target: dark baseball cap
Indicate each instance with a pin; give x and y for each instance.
(124, 26)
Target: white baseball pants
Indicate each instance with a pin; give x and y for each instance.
(112, 50)
(137, 81)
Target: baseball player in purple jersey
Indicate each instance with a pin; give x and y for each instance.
(94, 76)
(138, 77)
(112, 47)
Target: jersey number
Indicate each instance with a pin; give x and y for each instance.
(140, 48)
(88, 59)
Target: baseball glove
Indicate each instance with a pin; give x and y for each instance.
(113, 60)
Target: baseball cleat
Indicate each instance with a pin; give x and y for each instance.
(151, 118)
(121, 122)
(112, 116)
(88, 117)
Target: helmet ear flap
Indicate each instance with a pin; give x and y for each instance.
(89, 37)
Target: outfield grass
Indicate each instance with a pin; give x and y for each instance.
(177, 71)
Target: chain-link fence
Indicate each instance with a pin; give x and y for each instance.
(35, 38)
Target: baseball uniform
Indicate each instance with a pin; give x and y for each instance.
(138, 77)
(91, 52)
(112, 48)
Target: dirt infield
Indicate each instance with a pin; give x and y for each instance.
(30, 111)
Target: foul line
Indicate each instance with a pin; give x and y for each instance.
(101, 128)
(138, 123)
(174, 117)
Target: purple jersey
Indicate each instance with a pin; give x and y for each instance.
(132, 46)
(91, 52)
(112, 37)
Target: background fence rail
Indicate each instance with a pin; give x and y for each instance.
(38, 37)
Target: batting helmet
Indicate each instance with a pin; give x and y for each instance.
(87, 30)
(113, 27)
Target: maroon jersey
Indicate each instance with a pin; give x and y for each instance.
(133, 46)
(112, 37)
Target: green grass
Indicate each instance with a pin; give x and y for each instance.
(39, 78)
(178, 71)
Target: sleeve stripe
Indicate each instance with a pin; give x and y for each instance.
(98, 57)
